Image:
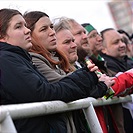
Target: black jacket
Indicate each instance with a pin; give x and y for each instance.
(21, 82)
(117, 65)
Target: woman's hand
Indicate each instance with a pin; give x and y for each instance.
(109, 81)
(92, 67)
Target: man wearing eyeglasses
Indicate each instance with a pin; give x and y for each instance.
(94, 40)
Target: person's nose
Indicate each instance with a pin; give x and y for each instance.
(27, 30)
(99, 37)
(51, 32)
(73, 45)
(84, 35)
(122, 44)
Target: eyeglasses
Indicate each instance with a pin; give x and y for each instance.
(94, 35)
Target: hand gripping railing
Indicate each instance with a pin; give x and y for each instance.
(18, 111)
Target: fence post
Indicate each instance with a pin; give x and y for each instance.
(92, 119)
(7, 126)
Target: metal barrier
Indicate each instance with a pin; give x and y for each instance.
(18, 111)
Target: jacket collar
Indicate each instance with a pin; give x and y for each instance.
(15, 49)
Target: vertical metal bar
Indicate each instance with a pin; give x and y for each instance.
(7, 125)
(92, 119)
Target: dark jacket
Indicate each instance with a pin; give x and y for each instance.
(21, 82)
(117, 65)
(53, 74)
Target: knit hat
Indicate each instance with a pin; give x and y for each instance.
(88, 27)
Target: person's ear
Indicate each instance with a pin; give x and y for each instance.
(3, 39)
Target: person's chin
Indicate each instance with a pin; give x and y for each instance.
(75, 58)
(53, 48)
(123, 54)
(29, 45)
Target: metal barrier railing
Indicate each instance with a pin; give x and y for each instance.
(18, 111)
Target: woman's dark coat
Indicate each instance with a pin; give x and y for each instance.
(21, 82)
